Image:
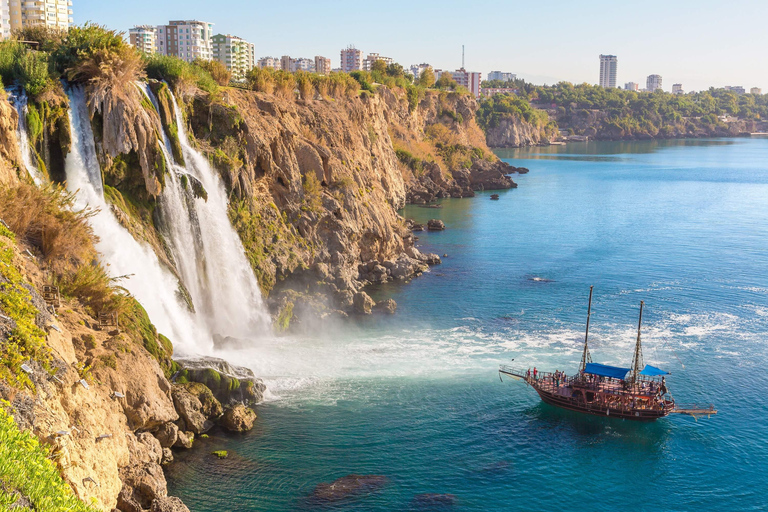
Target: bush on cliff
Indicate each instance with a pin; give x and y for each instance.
(27, 68)
(29, 479)
(218, 71)
(44, 218)
(178, 73)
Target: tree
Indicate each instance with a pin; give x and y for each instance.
(446, 81)
(427, 78)
(379, 66)
(395, 70)
(218, 71)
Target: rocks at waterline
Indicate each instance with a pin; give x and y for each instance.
(189, 409)
(388, 306)
(238, 418)
(347, 487)
(363, 303)
(494, 197)
(435, 225)
(228, 383)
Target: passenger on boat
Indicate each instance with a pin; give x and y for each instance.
(535, 373)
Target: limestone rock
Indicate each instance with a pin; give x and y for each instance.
(168, 504)
(184, 440)
(167, 456)
(435, 225)
(388, 306)
(238, 418)
(167, 434)
(189, 408)
(363, 303)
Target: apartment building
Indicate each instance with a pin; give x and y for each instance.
(677, 89)
(235, 53)
(469, 79)
(502, 76)
(269, 62)
(351, 59)
(652, 83)
(373, 57)
(608, 67)
(631, 86)
(322, 65)
(417, 69)
(736, 88)
(51, 13)
(756, 90)
(5, 19)
(143, 38)
(187, 40)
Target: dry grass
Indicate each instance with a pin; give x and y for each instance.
(43, 219)
(110, 74)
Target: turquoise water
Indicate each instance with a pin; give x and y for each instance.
(682, 225)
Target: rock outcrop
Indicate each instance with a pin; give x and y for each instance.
(511, 131)
(10, 158)
(238, 418)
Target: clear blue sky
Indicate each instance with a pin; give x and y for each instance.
(697, 43)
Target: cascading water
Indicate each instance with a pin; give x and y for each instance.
(208, 251)
(19, 101)
(152, 285)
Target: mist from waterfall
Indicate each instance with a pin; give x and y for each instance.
(18, 99)
(155, 287)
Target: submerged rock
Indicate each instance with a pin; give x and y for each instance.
(388, 306)
(168, 504)
(432, 501)
(348, 486)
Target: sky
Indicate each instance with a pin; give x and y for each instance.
(698, 43)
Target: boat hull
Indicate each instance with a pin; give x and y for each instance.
(599, 409)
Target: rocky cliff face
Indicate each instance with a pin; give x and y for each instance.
(10, 158)
(513, 132)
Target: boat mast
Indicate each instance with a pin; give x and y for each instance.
(637, 359)
(585, 357)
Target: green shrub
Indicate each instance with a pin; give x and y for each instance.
(28, 471)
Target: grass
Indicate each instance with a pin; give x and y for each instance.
(26, 471)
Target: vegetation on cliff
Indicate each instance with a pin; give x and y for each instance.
(29, 479)
(600, 112)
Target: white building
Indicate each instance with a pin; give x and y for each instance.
(302, 64)
(736, 88)
(187, 40)
(269, 62)
(5, 19)
(351, 59)
(417, 69)
(322, 65)
(144, 38)
(677, 89)
(756, 90)
(373, 57)
(469, 79)
(51, 13)
(631, 86)
(502, 76)
(608, 67)
(653, 82)
(235, 53)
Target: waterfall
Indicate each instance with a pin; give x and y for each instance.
(19, 102)
(209, 254)
(152, 285)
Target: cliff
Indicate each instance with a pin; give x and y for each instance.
(314, 187)
(513, 132)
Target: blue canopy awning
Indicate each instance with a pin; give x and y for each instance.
(606, 371)
(652, 371)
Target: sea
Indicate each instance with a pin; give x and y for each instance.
(416, 398)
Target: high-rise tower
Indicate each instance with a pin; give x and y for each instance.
(608, 65)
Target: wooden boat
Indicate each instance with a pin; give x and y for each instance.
(636, 393)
